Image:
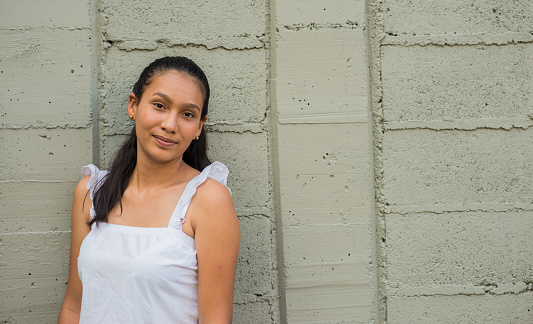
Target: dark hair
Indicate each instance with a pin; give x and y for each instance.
(115, 182)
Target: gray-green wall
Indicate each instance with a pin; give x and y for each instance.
(379, 151)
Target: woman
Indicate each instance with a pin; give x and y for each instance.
(155, 239)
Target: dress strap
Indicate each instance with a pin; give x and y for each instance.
(95, 181)
(216, 171)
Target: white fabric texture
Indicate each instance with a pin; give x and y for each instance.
(138, 274)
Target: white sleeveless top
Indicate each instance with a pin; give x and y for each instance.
(139, 274)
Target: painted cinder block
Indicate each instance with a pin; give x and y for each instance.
(330, 84)
(302, 12)
(347, 304)
(255, 263)
(22, 255)
(464, 86)
(450, 17)
(237, 80)
(44, 154)
(321, 198)
(45, 13)
(108, 149)
(427, 170)
(322, 179)
(461, 309)
(46, 78)
(32, 300)
(35, 206)
(318, 149)
(201, 23)
(33, 276)
(256, 312)
(246, 156)
(314, 259)
(428, 253)
(327, 269)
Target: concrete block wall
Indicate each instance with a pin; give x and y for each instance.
(452, 86)
(46, 75)
(323, 169)
(378, 150)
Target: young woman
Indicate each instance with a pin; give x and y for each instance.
(155, 239)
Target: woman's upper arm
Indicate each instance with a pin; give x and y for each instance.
(217, 239)
(81, 206)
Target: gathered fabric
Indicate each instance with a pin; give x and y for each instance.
(139, 274)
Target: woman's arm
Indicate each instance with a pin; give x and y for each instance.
(217, 237)
(81, 205)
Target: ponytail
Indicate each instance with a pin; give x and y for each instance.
(115, 182)
(196, 153)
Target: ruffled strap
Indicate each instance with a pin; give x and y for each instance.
(216, 171)
(95, 181)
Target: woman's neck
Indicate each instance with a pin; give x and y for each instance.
(147, 175)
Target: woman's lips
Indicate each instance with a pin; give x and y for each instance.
(164, 141)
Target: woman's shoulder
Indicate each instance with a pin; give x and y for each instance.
(213, 189)
(83, 185)
(93, 177)
(212, 193)
(217, 171)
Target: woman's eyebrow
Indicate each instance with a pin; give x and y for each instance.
(162, 95)
(167, 98)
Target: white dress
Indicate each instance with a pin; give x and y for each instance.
(138, 274)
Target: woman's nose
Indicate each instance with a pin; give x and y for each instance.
(170, 122)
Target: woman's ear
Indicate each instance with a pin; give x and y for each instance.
(202, 122)
(132, 106)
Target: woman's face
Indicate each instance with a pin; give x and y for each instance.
(168, 117)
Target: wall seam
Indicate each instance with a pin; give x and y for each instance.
(374, 221)
(274, 160)
(375, 35)
(95, 98)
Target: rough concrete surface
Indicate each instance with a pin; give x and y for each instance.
(462, 309)
(452, 129)
(35, 206)
(457, 17)
(331, 68)
(55, 14)
(331, 175)
(46, 75)
(458, 86)
(43, 154)
(205, 24)
(32, 57)
(459, 252)
(306, 14)
(320, 92)
(428, 170)
(379, 150)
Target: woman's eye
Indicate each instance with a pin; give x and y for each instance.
(188, 114)
(158, 105)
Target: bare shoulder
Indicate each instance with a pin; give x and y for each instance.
(82, 201)
(212, 203)
(82, 184)
(214, 191)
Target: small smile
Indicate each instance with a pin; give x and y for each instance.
(164, 140)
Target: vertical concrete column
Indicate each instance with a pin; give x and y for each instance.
(45, 138)
(322, 134)
(229, 41)
(457, 166)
